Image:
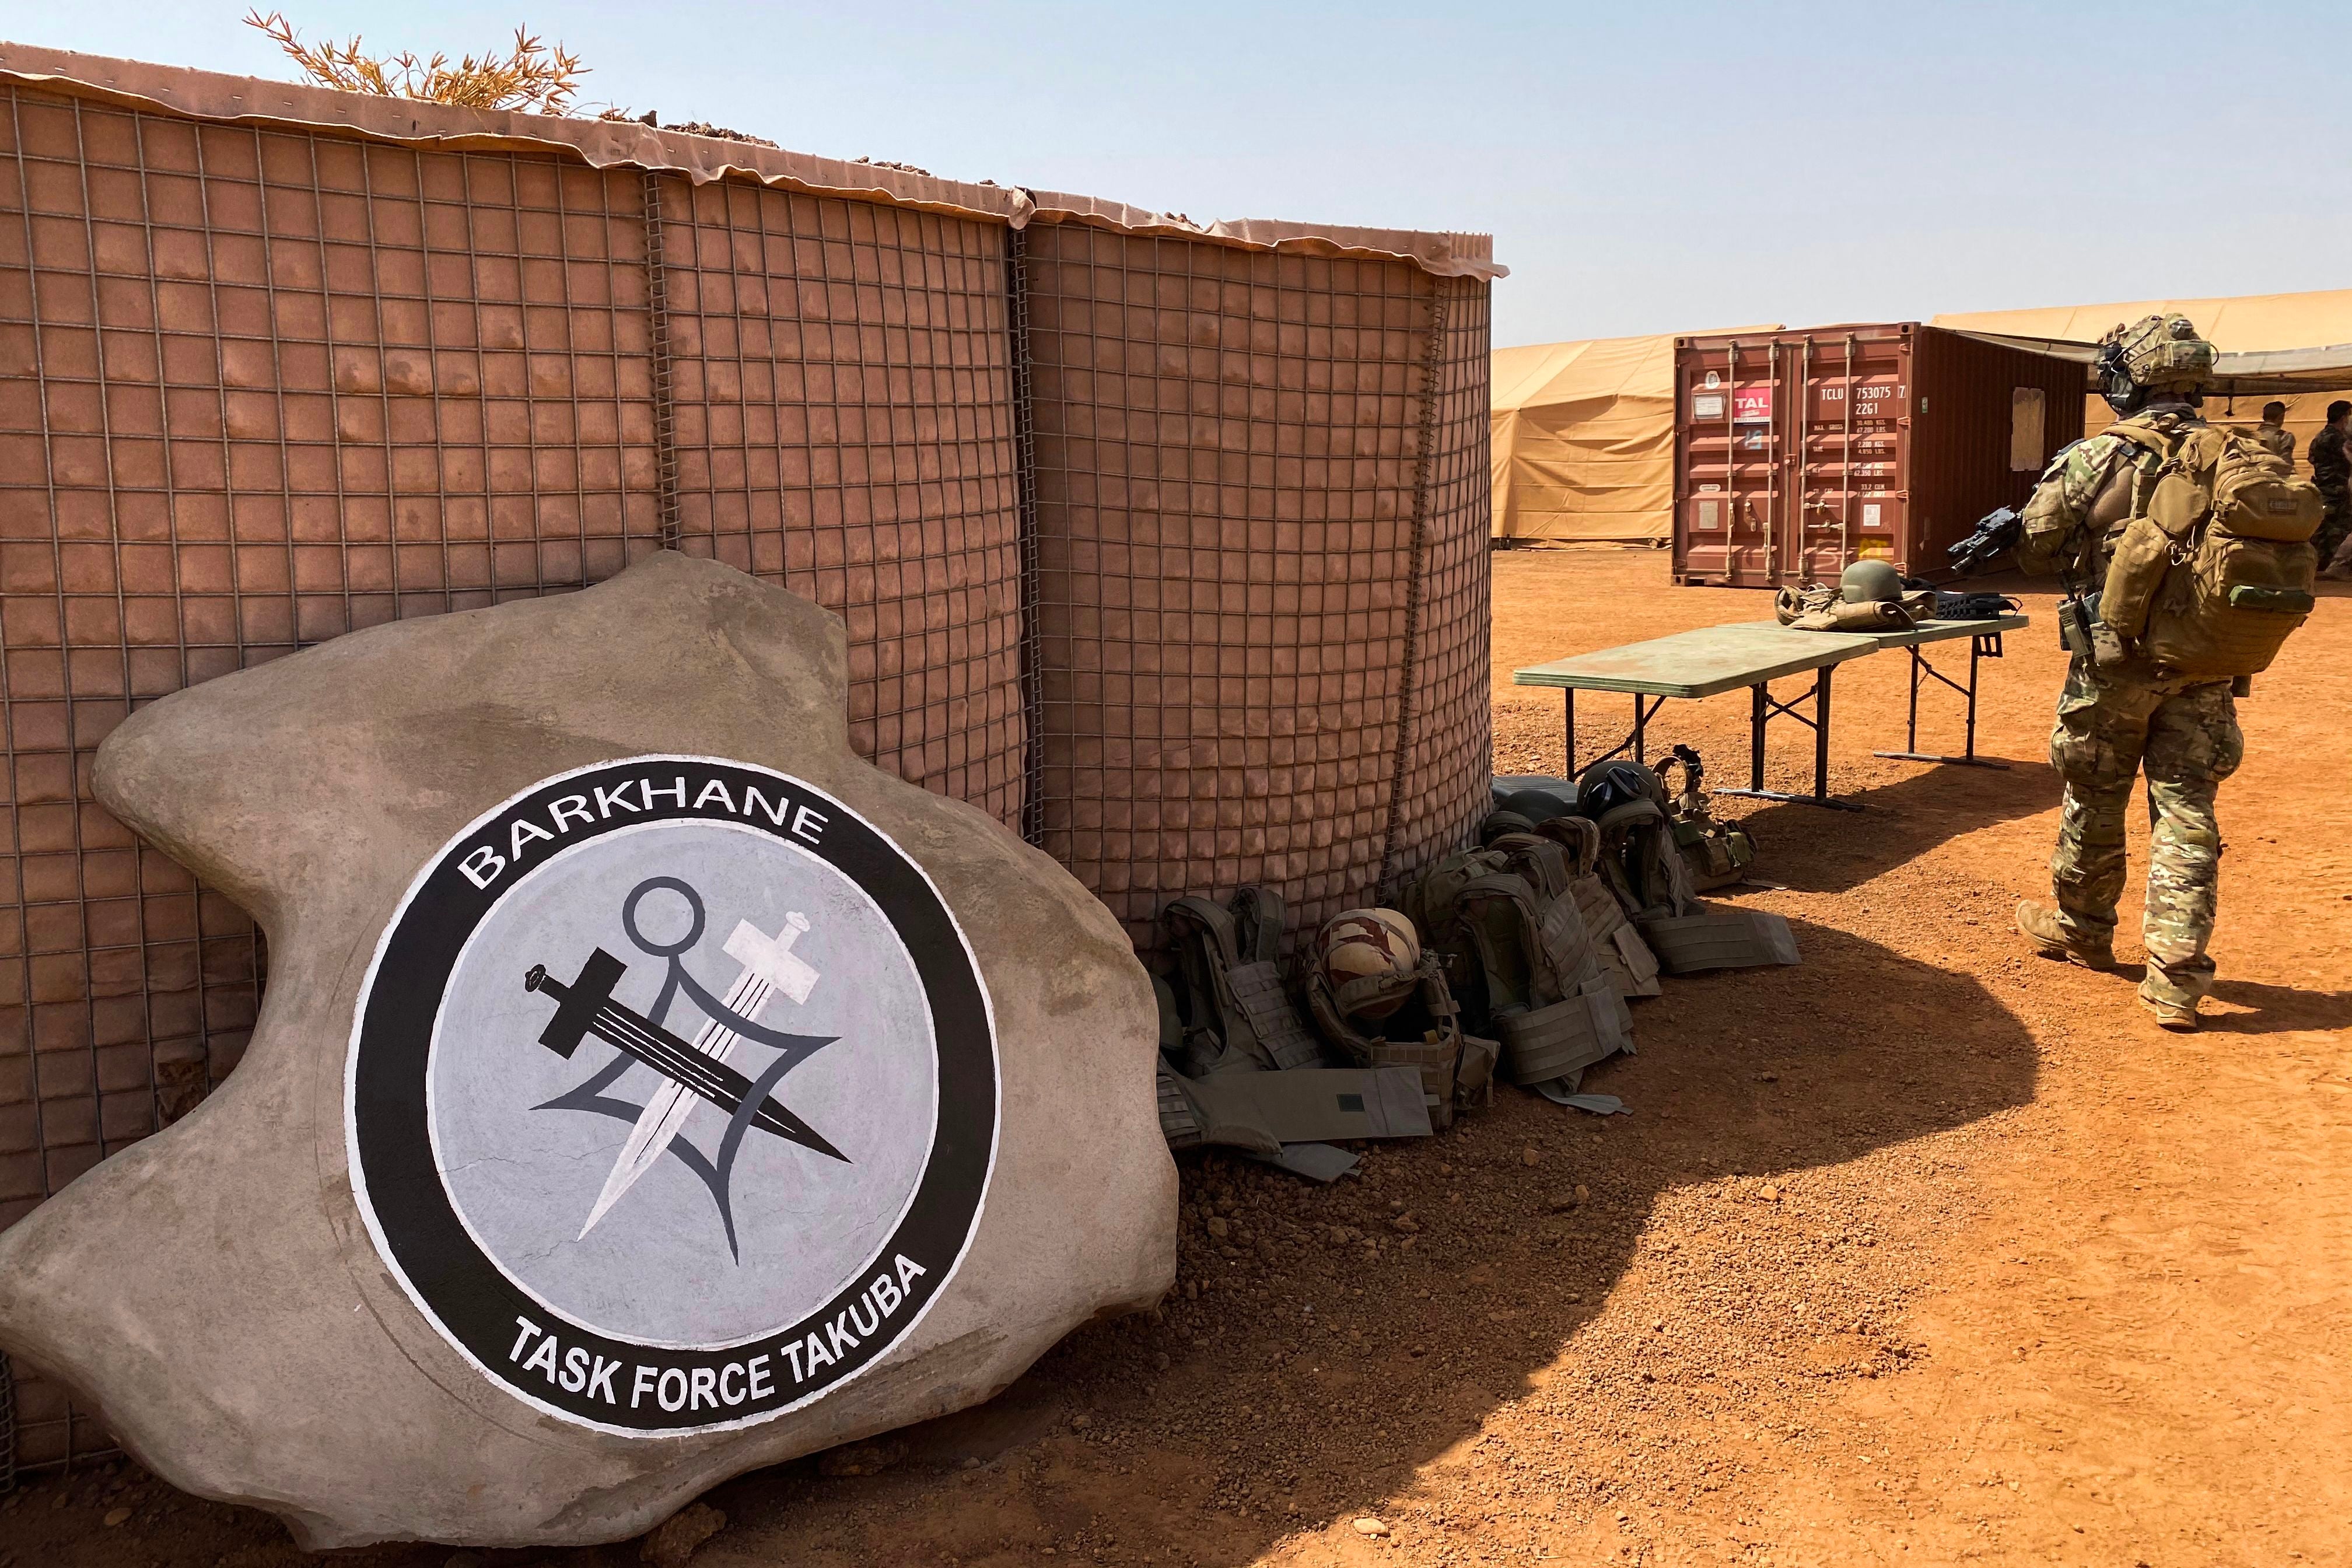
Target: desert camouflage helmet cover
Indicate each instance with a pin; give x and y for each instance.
(1358, 944)
(2161, 350)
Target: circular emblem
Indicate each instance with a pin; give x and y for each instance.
(672, 1096)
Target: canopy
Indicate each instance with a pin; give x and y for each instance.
(1584, 439)
(2296, 348)
(2244, 322)
(2235, 375)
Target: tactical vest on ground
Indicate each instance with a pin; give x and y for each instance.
(1717, 853)
(1239, 1067)
(1624, 957)
(2213, 570)
(1506, 919)
(1423, 1032)
(1643, 867)
(1234, 1013)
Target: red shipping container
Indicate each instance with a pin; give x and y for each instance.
(1797, 453)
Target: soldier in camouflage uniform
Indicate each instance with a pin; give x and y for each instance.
(2120, 718)
(2273, 432)
(2331, 470)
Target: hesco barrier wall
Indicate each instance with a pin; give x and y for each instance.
(1257, 567)
(1164, 545)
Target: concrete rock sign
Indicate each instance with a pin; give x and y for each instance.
(646, 1089)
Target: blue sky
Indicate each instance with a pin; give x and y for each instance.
(1644, 168)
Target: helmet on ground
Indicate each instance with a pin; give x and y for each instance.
(1538, 804)
(1498, 823)
(2155, 353)
(1617, 793)
(1369, 944)
(1870, 582)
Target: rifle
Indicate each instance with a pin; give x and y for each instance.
(1996, 535)
(2080, 630)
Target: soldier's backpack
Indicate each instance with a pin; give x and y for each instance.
(1541, 864)
(1430, 904)
(1717, 853)
(1650, 877)
(1230, 1002)
(1624, 957)
(1507, 917)
(1638, 861)
(2214, 568)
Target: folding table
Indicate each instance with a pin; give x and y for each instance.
(1711, 659)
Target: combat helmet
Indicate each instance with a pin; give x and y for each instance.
(1370, 959)
(1870, 582)
(2161, 353)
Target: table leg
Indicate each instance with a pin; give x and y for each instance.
(1756, 720)
(1976, 652)
(1911, 719)
(1821, 731)
(1633, 741)
(1763, 706)
(1984, 646)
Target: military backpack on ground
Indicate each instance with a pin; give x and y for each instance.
(1717, 853)
(1651, 878)
(2214, 568)
(1638, 860)
(1624, 957)
(1506, 919)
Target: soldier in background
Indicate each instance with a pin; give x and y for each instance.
(2119, 720)
(2331, 470)
(2273, 431)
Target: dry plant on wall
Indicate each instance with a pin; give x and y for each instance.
(532, 77)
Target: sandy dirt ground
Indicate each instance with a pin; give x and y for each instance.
(1927, 1251)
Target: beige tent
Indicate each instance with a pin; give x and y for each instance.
(1584, 439)
(1584, 432)
(2242, 324)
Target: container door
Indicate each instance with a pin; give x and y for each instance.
(1853, 452)
(1732, 488)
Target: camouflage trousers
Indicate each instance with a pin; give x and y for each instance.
(2335, 522)
(2112, 728)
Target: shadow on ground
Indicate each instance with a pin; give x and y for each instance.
(1267, 1419)
(2271, 1009)
(1813, 849)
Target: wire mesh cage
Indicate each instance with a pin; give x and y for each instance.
(1236, 511)
(1169, 552)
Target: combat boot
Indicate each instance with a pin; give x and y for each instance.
(2047, 931)
(2171, 1011)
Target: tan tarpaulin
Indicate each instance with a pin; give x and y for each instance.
(1584, 439)
(2239, 324)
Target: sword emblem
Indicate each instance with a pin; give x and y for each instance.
(586, 1007)
(770, 965)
